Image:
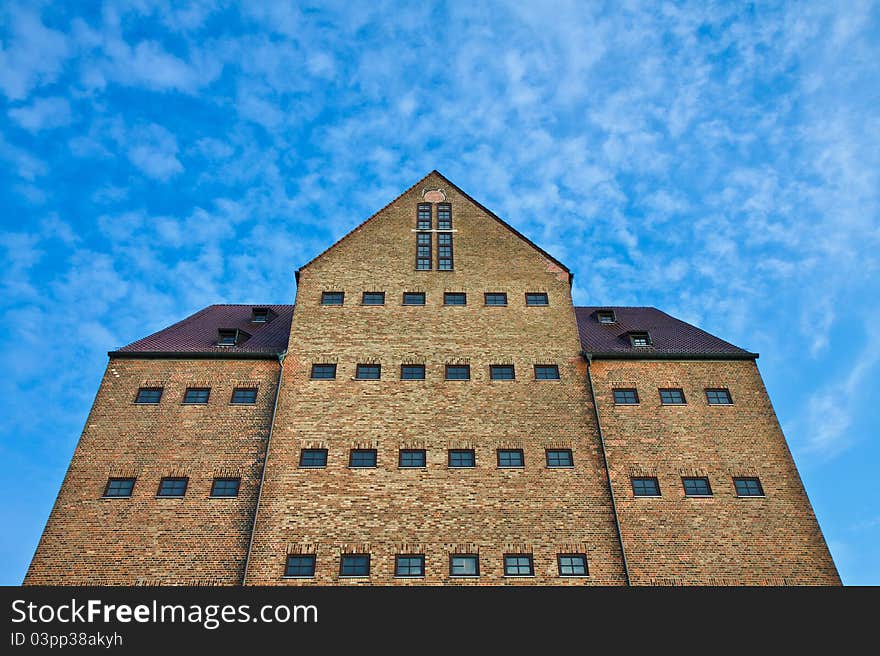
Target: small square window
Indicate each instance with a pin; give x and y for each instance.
(413, 298)
(300, 566)
(362, 458)
(323, 371)
(225, 487)
(373, 298)
(412, 458)
(719, 396)
(511, 458)
(260, 315)
(646, 487)
(606, 316)
(172, 487)
(462, 458)
(464, 565)
(355, 565)
(501, 372)
(313, 458)
(672, 396)
(423, 217)
(572, 565)
(640, 339)
(559, 458)
(409, 566)
(148, 395)
(412, 372)
(368, 372)
(244, 395)
(626, 397)
(196, 395)
(332, 298)
(454, 298)
(496, 298)
(748, 487)
(518, 565)
(458, 372)
(546, 372)
(444, 216)
(119, 487)
(697, 487)
(227, 338)
(536, 299)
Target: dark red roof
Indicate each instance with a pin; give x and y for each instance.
(669, 336)
(198, 333)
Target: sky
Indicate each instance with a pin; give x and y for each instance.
(718, 160)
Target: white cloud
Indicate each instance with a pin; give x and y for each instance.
(43, 114)
(31, 54)
(153, 150)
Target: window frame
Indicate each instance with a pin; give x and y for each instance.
(409, 556)
(206, 390)
(116, 479)
(261, 315)
(345, 556)
(448, 295)
(420, 207)
(312, 558)
(633, 480)
(141, 390)
(707, 494)
(351, 458)
(363, 366)
(522, 458)
(457, 366)
(315, 365)
(545, 295)
(671, 390)
(552, 367)
(400, 455)
(602, 314)
(570, 453)
(373, 295)
(442, 259)
(310, 451)
(473, 458)
(494, 295)
(224, 334)
(493, 368)
(175, 479)
(326, 295)
(634, 390)
(225, 479)
(529, 559)
(716, 390)
(762, 494)
(640, 335)
(440, 208)
(425, 262)
(417, 294)
(583, 556)
(404, 367)
(474, 557)
(239, 390)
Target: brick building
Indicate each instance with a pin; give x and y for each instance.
(433, 409)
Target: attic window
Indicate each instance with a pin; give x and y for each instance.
(640, 339)
(606, 316)
(231, 337)
(260, 315)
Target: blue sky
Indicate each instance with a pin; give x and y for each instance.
(716, 160)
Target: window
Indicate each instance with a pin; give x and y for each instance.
(511, 458)
(413, 298)
(748, 487)
(646, 487)
(172, 487)
(244, 395)
(119, 487)
(518, 565)
(458, 372)
(559, 458)
(423, 251)
(536, 299)
(501, 372)
(227, 337)
(148, 395)
(444, 216)
(496, 298)
(362, 458)
(673, 396)
(409, 566)
(411, 458)
(546, 372)
(444, 251)
(373, 298)
(640, 339)
(462, 458)
(454, 298)
(697, 487)
(225, 487)
(313, 458)
(423, 217)
(332, 298)
(323, 371)
(260, 315)
(368, 372)
(355, 565)
(300, 566)
(606, 316)
(718, 396)
(626, 397)
(572, 565)
(412, 372)
(196, 395)
(464, 565)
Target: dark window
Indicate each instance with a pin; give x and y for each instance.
(423, 251)
(409, 566)
(546, 372)
(511, 458)
(464, 565)
(518, 565)
(228, 338)
(196, 395)
(496, 298)
(646, 487)
(355, 565)
(373, 298)
(172, 487)
(413, 298)
(323, 371)
(368, 372)
(462, 458)
(626, 397)
(718, 397)
(672, 396)
(148, 395)
(458, 372)
(606, 316)
(501, 372)
(444, 216)
(572, 565)
(362, 458)
(748, 487)
(412, 372)
(119, 487)
(454, 298)
(302, 566)
(559, 458)
(225, 487)
(313, 458)
(412, 458)
(536, 298)
(244, 395)
(640, 339)
(444, 251)
(260, 315)
(423, 217)
(332, 298)
(697, 487)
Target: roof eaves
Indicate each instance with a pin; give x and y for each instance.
(271, 354)
(668, 355)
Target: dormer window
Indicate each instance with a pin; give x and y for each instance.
(606, 316)
(640, 339)
(231, 337)
(261, 315)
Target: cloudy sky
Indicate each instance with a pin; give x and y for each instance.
(716, 160)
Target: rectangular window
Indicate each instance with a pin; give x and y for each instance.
(518, 565)
(244, 395)
(332, 298)
(458, 372)
(511, 458)
(606, 316)
(313, 458)
(572, 564)
(559, 458)
(411, 458)
(423, 251)
(462, 458)
(696, 487)
(496, 298)
(148, 395)
(355, 565)
(412, 372)
(227, 338)
(119, 487)
(225, 487)
(748, 487)
(409, 566)
(546, 372)
(672, 396)
(423, 217)
(300, 566)
(646, 487)
(718, 396)
(196, 395)
(373, 298)
(323, 371)
(464, 565)
(362, 458)
(640, 339)
(444, 216)
(536, 299)
(626, 397)
(444, 251)
(501, 372)
(454, 298)
(368, 372)
(172, 487)
(413, 298)
(260, 315)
